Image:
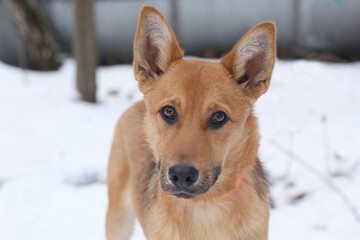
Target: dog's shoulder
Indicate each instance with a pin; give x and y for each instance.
(134, 113)
(129, 131)
(132, 118)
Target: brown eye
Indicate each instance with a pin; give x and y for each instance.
(217, 120)
(219, 117)
(168, 113)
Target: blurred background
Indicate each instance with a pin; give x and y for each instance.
(323, 29)
(66, 77)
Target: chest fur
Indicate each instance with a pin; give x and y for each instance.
(226, 220)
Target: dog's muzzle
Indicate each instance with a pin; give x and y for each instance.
(183, 181)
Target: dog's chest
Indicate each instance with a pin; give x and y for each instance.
(201, 222)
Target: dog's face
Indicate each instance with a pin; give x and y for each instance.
(197, 111)
(196, 114)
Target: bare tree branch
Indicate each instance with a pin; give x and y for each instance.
(322, 177)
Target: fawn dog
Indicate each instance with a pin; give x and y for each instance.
(184, 160)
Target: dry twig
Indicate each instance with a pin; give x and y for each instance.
(318, 174)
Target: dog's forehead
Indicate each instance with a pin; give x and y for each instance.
(197, 78)
(196, 84)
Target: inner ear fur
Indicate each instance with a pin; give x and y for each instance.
(155, 47)
(251, 61)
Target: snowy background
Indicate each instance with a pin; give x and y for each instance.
(54, 150)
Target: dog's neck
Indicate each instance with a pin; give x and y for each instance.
(230, 193)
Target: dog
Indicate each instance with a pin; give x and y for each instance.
(184, 160)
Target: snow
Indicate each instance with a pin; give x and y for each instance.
(54, 150)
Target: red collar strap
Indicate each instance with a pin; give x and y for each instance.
(228, 194)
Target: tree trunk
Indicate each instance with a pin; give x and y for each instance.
(36, 33)
(85, 49)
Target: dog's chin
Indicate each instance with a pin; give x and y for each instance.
(184, 195)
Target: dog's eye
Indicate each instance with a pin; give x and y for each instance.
(168, 113)
(217, 120)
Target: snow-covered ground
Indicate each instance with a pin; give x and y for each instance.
(54, 149)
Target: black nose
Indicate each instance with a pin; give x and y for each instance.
(183, 176)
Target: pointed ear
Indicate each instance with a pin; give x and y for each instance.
(155, 47)
(251, 61)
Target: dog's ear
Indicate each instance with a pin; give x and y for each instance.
(155, 47)
(251, 61)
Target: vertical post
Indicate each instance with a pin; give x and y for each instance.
(296, 23)
(85, 49)
(175, 18)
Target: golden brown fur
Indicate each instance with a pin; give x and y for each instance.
(145, 147)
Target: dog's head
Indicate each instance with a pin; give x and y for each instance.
(199, 114)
